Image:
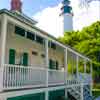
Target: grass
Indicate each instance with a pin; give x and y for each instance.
(96, 92)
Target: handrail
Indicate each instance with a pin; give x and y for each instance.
(54, 70)
(40, 67)
(20, 66)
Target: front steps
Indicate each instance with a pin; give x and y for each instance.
(75, 93)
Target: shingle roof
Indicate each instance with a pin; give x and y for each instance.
(18, 15)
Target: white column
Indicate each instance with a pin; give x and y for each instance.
(82, 97)
(3, 39)
(46, 94)
(46, 60)
(65, 63)
(72, 63)
(66, 69)
(91, 77)
(77, 62)
(2, 48)
(84, 65)
(91, 71)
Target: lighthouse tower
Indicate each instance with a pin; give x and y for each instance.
(16, 5)
(68, 16)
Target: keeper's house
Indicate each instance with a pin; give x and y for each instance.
(35, 66)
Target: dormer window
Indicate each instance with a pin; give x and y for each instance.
(30, 36)
(19, 31)
(52, 45)
(39, 39)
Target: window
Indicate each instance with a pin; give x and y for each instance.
(39, 39)
(30, 36)
(25, 59)
(34, 53)
(57, 65)
(52, 64)
(43, 55)
(12, 56)
(53, 45)
(49, 44)
(19, 31)
(12, 53)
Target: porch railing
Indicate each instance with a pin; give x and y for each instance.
(85, 78)
(23, 77)
(16, 77)
(56, 77)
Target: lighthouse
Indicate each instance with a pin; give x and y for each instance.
(67, 16)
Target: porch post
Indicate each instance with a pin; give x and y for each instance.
(47, 60)
(84, 65)
(82, 86)
(46, 94)
(91, 71)
(77, 61)
(2, 48)
(65, 63)
(66, 69)
(91, 68)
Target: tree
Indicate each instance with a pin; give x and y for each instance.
(86, 41)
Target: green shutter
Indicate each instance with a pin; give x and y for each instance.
(25, 59)
(50, 64)
(11, 56)
(54, 65)
(57, 65)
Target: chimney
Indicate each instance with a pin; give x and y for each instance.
(16, 5)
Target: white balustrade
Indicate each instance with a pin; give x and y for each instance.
(16, 77)
(23, 77)
(85, 78)
(56, 77)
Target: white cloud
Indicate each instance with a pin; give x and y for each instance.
(84, 17)
(50, 21)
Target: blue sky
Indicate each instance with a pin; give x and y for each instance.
(31, 7)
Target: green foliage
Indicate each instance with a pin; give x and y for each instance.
(96, 92)
(86, 41)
